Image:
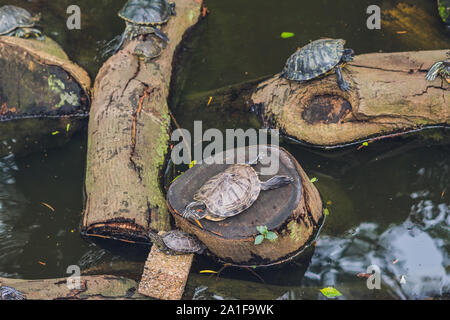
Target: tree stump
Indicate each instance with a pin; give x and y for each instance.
(294, 212)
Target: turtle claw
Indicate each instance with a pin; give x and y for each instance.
(344, 86)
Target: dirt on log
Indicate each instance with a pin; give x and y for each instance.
(128, 138)
(294, 212)
(42, 93)
(103, 287)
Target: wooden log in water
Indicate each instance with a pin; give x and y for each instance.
(294, 212)
(42, 94)
(128, 138)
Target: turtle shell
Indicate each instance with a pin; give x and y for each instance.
(183, 242)
(146, 12)
(12, 17)
(230, 192)
(148, 49)
(314, 59)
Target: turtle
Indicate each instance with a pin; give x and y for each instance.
(440, 68)
(144, 17)
(176, 242)
(147, 50)
(318, 58)
(18, 22)
(8, 293)
(230, 193)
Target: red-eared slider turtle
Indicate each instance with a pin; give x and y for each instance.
(148, 50)
(8, 293)
(144, 17)
(440, 68)
(18, 22)
(230, 193)
(176, 242)
(318, 58)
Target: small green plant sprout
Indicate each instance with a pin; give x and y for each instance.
(313, 180)
(326, 212)
(264, 234)
(286, 35)
(330, 292)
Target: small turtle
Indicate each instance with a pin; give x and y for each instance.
(440, 68)
(147, 50)
(176, 242)
(144, 17)
(230, 193)
(18, 22)
(319, 58)
(8, 293)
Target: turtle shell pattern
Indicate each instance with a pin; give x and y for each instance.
(230, 192)
(146, 12)
(12, 17)
(181, 242)
(314, 59)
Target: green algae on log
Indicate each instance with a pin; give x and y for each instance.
(294, 212)
(128, 139)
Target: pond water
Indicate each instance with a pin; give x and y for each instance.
(389, 203)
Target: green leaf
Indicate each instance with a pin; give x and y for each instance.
(176, 178)
(286, 35)
(259, 239)
(314, 180)
(262, 229)
(55, 133)
(330, 292)
(68, 127)
(271, 236)
(326, 212)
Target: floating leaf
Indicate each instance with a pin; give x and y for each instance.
(326, 212)
(209, 101)
(365, 144)
(262, 229)
(48, 206)
(209, 271)
(286, 35)
(330, 292)
(68, 127)
(271, 236)
(259, 239)
(314, 180)
(54, 133)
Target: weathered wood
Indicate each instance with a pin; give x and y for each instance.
(104, 287)
(294, 212)
(128, 138)
(164, 275)
(38, 86)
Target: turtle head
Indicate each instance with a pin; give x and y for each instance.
(195, 211)
(156, 239)
(348, 54)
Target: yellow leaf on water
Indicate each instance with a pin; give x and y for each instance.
(48, 206)
(208, 271)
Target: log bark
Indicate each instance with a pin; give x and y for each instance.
(294, 212)
(128, 138)
(42, 93)
(103, 287)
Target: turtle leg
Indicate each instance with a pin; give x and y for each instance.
(161, 35)
(254, 161)
(345, 86)
(276, 182)
(122, 40)
(434, 71)
(195, 211)
(172, 8)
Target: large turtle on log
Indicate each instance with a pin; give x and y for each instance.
(9, 293)
(318, 58)
(145, 17)
(176, 242)
(230, 193)
(440, 68)
(18, 22)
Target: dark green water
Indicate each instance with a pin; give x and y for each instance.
(388, 202)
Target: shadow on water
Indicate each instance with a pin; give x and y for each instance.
(388, 203)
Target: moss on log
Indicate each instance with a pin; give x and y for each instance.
(128, 138)
(294, 212)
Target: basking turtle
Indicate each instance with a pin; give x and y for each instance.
(144, 17)
(147, 50)
(319, 58)
(18, 22)
(176, 242)
(230, 193)
(8, 293)
(440, 68)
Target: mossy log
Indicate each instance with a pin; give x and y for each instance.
(103, 287)
(389, 96)
(42, 93)
(294, 212)
(128, 138)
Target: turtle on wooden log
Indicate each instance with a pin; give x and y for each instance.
(128, 138)
(42, 93)
(293, 212)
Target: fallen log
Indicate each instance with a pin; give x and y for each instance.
(128, 138)
(103, 287)
(42, 94)
(294, 212)
(389, 96)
